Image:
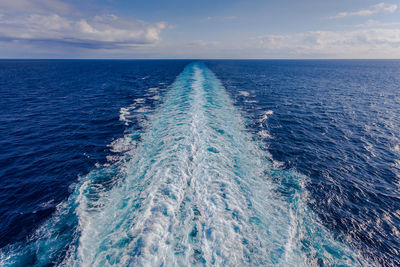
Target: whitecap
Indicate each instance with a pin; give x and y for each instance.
(265, 134)
(140, 100)
(265, 115)
(244, 93)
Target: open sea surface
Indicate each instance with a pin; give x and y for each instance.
(213, 162)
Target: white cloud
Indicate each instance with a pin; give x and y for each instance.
(363, 43)
(200, 43)
(358, 43)
(45, 26)
(36, 6)
(378, 8)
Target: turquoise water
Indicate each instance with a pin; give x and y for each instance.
(191, 186)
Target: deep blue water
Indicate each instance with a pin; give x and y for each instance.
(211, 163)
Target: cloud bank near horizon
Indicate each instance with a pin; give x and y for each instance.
(383, 43)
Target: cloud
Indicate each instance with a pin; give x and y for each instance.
(36, 6)
(362, 43)
(358, 43)
(45, 26)
(378, 8)
(375, 23)
(200, 43)
(219, 18)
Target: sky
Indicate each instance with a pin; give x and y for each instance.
(248, 29)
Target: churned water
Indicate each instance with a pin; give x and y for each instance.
(177, 163)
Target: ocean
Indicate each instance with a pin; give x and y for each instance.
(200, 162)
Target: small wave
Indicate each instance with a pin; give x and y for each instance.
(396, 148)
(153, 89)
(244, 93)
(155, 97)
(265, 134)
(140, 100)
(123, 113)
(265, 115)
(142, 110)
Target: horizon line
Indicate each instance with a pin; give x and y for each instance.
(3, 59)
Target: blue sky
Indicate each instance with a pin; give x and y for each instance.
(199, 29)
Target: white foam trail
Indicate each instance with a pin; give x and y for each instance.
(196, 190)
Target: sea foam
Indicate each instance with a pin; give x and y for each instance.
(196, 190)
